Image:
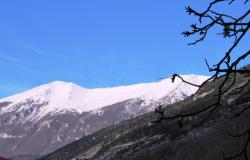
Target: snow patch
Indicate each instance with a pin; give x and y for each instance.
(203, 95)
(9, 136)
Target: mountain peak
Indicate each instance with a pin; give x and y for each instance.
(58, 82)
(60, 95)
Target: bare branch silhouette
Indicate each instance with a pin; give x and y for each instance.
(227, 68)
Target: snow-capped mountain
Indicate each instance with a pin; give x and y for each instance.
(61, 96)
(54, 114)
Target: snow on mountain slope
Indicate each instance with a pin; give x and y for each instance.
(43, 119)
(60, 96)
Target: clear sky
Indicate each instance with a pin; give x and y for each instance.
(99, 43)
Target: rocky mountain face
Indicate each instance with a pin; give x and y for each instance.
(43, 119)
(200, 137)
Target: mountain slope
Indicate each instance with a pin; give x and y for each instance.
(141, 139)
(45, 118)
(68, 96)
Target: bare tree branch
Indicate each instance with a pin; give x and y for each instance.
(226, 69)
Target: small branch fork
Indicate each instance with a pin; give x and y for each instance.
(226, 69)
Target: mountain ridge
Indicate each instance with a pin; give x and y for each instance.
(46, 118)
(69, 96)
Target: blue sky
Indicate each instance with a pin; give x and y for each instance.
(99, 43)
